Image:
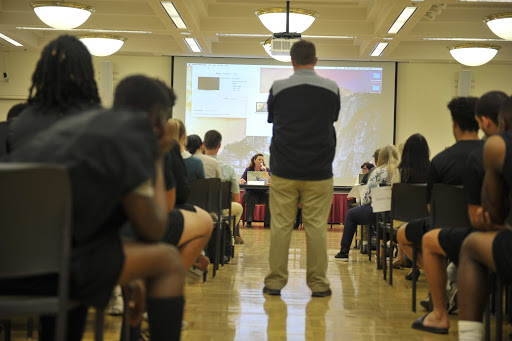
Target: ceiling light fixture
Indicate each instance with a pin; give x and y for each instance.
(378, 49)
(173, 13)
(59, 14)
(267, 45)
(102, 45)
(473, 54)
(404, 16)
(274, 19)
(192, 44)
(10, 40)
(500, 24)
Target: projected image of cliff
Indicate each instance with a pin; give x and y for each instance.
(231, 98)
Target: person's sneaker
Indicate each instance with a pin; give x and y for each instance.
(116, 304)
(273, 292)
(364, 249)
(202, 262)
(343, 257)
(328, 292)
(249, 225)
(239, 240)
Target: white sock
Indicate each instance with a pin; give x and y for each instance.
(470, 331)
(365, 243)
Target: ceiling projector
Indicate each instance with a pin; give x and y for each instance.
(282, 43)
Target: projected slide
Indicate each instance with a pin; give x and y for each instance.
(231, 97)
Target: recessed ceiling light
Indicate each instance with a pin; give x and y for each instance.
(461, 39)
(173, 14)
(10, 40)
(192, 44)
(378, 49)
(92, 30)
(407, 12)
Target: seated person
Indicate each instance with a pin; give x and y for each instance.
(366, 168)
(256, 196)
(413, 168)
(211, 166)
(446, 167)
(437, 244)
(115, 164)
(489, 249)
(194, 166)
(363, 215)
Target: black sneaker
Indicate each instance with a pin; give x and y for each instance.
(328, 292)
(343, 257)
(273, 292)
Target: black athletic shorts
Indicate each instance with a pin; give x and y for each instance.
(451, 239)
(502, 253)
(416, 228)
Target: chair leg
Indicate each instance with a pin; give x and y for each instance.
(391, 231)
(369, 229)
(377, 253)
(384, 252)
(99, 325)
(499, 309)
(30, 328)
(414, 250)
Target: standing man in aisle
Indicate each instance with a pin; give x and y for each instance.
(303, 109)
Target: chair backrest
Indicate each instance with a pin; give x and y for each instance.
(408, 201)
(448, 207)
(199, 192)
(35, 220)
(225, 202)
(214, 195)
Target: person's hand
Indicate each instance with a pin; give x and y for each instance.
(241, 181)
(263, 168)
(165, 138)
(136, 296)
(483, 221)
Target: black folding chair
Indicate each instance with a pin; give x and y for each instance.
(225, 204)
(35, 218)
(205, 193)
(407, 203)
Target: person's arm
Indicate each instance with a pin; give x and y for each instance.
(373, 182)
(243, 178)
(493, 195)
(148, 213)
(235, 197)
(270, 107)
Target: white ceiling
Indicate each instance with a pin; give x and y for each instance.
(366, 20)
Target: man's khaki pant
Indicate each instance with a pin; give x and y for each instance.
(315, 198)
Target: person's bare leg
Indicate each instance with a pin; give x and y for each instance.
(197, 228)
(476, 260)
(435, 270)
(161, 267)
(407, 245)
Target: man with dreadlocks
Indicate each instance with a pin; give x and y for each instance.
(115, 163)
(62, 85)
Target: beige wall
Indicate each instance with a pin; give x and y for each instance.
(21, 65)
(423, 89)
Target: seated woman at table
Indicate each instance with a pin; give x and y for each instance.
(256, 196)
(363, 215)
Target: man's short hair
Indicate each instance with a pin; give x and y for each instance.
(462, 110)
(144, 93)
(505, 114)
(303, 52)
(489, 105)
(16, 110)
(212, 139)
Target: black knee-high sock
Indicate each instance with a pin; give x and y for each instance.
(75, 327)
(165, 315)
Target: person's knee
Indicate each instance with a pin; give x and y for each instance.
(469, 246)
(204, 222)
(170, 258)
(430, 241)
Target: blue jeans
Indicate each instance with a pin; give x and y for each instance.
(360, 215)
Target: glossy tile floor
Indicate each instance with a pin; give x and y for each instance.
(363, 306)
